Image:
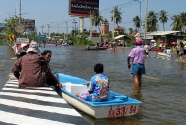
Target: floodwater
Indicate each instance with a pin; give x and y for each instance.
(163, 87)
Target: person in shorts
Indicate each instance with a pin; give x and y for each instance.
(138, 62)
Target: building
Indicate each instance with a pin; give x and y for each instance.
(164, 36)
(105, 27)
(118, 29)
(95, 33)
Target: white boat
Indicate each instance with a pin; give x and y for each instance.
(117, 106)
(164, 54)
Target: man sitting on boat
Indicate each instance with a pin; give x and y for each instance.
(99, 86)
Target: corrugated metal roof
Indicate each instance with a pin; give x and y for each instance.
(157, 33)
(161, 33)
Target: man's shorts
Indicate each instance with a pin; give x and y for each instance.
(138, 69)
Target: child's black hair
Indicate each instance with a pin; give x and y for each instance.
(98, 68)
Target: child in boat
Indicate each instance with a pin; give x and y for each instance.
(99, 86)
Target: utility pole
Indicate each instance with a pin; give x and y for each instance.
(48, 30)
(145, 34)
(15, 7)
(42, 29)
(90, 25)
(113, 22)
(66, 30)
(75, 26)
(20, 13)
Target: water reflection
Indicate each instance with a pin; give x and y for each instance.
(182, 65)
(137, 94)
(133, 120)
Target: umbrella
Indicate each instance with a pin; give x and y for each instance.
(152, 41)
(120, 36)
(174, 43)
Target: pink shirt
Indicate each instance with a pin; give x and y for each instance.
(137, 55)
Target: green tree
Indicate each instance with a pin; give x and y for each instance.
(163, 18)
(177, 22)
(96, 18)
(10, 25)
(116, 15)
(183, 18)
(152, 22)
(131, 30)
(136, 21)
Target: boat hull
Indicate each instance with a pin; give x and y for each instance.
(98, 112)
(94, 48)
(164, 54)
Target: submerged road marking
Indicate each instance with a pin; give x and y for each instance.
(150, 77)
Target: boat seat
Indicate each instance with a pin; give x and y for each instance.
(108, 102)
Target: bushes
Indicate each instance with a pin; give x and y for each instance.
(81, 41)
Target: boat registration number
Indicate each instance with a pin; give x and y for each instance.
(122, 110)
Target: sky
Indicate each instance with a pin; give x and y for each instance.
(46, 11)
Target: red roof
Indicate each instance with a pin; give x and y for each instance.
(133, 34)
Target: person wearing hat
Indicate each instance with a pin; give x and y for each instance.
(22, 48)
(28, 68)
(138, 62)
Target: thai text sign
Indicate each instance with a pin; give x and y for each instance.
(29, 25)
(21, 40)
(82, 8)
(42, 37)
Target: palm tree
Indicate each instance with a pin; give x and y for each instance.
(177, 22)
(152, 22)
(163, 17)
(183, 18)
(131, 30)
(136, 21)
(96, 18)
(116, 15)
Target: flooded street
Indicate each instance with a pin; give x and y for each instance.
(163, 87)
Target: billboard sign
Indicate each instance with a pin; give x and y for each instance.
(29, 25)
(82, 8)
(42, 37)
(2, 26)
(21, 40)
